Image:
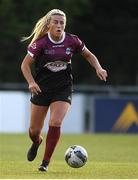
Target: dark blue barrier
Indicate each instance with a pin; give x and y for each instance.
(119, 114)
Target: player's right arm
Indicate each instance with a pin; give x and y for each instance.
(26, 70)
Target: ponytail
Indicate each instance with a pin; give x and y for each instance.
(41, 27)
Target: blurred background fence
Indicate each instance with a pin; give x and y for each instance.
(94, 109)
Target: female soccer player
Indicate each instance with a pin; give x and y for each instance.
(51, 50)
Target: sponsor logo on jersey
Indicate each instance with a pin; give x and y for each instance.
(49, 51)
(56, 66)
(58, 45)
(33, 46)
(127, 118)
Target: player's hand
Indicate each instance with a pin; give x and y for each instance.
(101, 73)
(34, 88)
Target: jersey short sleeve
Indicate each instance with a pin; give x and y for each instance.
(35, 49)
(79, 45)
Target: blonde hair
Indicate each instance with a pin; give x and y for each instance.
(41, 27)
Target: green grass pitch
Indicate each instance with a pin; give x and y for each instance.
(113, 156)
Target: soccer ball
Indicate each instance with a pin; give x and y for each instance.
(76, 156)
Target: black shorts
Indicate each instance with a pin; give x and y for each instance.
(45, 99)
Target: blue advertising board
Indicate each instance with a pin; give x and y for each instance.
(118, 114)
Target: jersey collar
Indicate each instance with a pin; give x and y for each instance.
(56, 42)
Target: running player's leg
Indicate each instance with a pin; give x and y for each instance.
(58, 111)
(38, 114)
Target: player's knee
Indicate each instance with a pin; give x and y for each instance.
(34, 132)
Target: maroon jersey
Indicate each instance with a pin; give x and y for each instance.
(53, 60)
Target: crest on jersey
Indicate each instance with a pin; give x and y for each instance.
(68, 51)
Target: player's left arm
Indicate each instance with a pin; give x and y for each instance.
(92, 59)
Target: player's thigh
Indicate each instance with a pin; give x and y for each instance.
(58, 110)
(38, 114)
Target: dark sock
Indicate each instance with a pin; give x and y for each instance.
(52, 138)
(35, 137)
